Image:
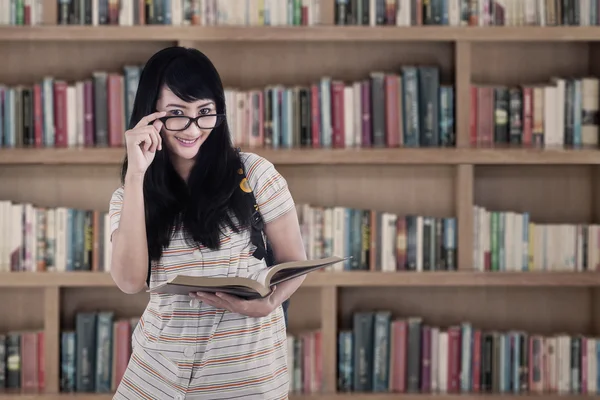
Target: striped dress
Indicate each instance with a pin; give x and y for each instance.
(185, 349)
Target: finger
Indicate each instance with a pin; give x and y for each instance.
(141, 139)
(154, 136)
(151, 117)
(148, 141)
(217, 304)
(158, 125)
(233, 300)
(233, 303)
(216, 301)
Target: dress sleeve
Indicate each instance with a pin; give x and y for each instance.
(270, 188)
(114, 211)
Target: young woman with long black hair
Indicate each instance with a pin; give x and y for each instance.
(181, 210)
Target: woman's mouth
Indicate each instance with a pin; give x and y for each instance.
(187, 142)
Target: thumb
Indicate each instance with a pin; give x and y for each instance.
(158, 124)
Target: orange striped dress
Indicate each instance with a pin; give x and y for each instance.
(185, 349)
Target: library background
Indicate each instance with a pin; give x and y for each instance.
(451, 146)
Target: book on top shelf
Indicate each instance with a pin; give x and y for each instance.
(252, 287)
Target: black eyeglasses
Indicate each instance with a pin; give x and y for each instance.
(182, 122)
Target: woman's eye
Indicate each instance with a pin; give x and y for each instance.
(176, 112)
(205, 111)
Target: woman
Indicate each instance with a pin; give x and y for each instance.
(180, 210)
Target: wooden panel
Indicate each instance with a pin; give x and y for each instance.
(255, 66)
(249, 35)
(81, 187)
(551, 194)
(305, 156)
(27, 63)
(304, 311)
(76, 300)
(402, 190)
(540, 310)
(464, 215)
(21, 310)
(462, 92)
(519, 63)
(52, 339)
(329, 307)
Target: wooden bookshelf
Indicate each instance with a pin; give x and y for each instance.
(339, 279)
(312, 34)
(339, 396)
(384, 156)
(555, 185)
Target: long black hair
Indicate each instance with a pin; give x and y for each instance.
(208, 201)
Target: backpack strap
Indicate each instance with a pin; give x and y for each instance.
(263, 249)
(257, 224)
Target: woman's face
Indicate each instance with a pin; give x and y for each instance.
(185, 143)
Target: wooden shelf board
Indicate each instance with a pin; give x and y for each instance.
(337, 396)
(341, 279)
(383, 156)
(321, 33)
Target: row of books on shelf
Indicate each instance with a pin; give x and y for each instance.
(410, 108)
(162, 12)
(562, 112)
(511, 241)
(385, 353)
(94, 356)
(379, 353)
(36, 238)
(466, 12)
(306, 12)
(379, 240)
(22, 361)
(57, 113)
(39, 238)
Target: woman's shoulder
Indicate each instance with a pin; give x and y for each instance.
(254, 161)
(118, 193)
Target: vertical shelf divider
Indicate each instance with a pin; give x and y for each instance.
(52, 338)
(462, 95)
(464, 173)
(464, 183)
(329, 310)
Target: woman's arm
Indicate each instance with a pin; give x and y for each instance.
(286, 241)
(282, 228)
(129, 261)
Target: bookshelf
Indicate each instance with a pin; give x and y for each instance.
(555, 185)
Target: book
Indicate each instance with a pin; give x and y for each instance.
(253, 287)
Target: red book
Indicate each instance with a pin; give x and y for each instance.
(38, 116)
(60, 114)
(41, 360)
(115, 110)
(473, 117)
(398, 356)
(527, 116)
(476, 361)
(121, 350)
(454, 356)
(337, 113)
(393, 132)
(315, 116)
(29, 360)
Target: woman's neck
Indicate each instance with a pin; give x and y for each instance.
(183, 167)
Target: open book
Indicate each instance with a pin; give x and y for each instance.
(256, 286)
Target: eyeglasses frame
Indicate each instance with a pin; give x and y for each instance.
(220, 119)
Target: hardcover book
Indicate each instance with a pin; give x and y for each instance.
(253, 287)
